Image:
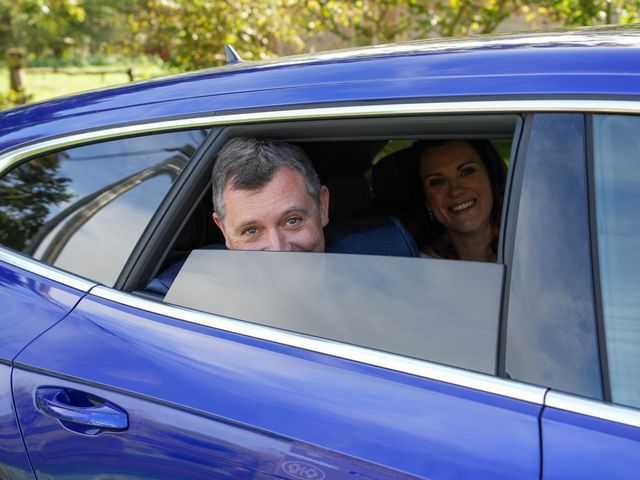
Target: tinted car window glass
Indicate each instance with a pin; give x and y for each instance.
(617, 184)
(551, 327)
(83, 209)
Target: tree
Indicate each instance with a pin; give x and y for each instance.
(583, 12)
(365, 22)
(58, 28)
(27, 194)
(39, 25)
(192, 33)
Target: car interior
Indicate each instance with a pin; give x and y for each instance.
(376, 201)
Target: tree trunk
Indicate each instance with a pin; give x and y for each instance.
(17, 72)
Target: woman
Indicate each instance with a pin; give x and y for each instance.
(463, 183)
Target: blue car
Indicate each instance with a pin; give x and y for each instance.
(134, 345)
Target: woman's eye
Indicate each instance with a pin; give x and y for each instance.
(467, 171)
(435, 182)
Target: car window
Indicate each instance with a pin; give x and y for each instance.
(551, 336)
(83, 209)
(617, 194)
(370, 287)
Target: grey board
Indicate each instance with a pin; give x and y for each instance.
(440, 310)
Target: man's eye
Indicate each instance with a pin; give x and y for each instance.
(293, 221)
(250, 231)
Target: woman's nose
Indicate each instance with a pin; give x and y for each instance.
(456, 188)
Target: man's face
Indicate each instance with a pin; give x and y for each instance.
(281, 216)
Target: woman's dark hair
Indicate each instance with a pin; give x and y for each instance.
(434, 239)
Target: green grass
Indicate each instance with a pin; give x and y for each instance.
(49, 85)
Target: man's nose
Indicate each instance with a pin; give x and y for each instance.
(276, 241)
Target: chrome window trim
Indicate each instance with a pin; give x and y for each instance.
(495, 106)
(593, 408)
(52, 273)
(32, 149)
(442, 373)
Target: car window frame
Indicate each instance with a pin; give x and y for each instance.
(466, 125)
(595, 258)
(308, 129)
(526, 156)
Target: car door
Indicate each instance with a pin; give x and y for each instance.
(66, 209)
(201, 396)
(31, 303)
(130, 387)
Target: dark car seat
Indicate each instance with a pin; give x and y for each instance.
(397, 191)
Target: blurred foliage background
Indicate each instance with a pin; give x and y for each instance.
(153, 37)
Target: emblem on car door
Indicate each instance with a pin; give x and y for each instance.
(302, 470)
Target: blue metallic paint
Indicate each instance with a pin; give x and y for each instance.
(80, 411)
(14, 463)
(30, 305)
(404, 423)
(169, 443)
(577, 446)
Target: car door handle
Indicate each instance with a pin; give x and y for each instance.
(81, 412)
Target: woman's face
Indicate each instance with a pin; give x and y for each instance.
(457, 188)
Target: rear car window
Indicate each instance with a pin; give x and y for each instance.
(617, 193)
(83, 209)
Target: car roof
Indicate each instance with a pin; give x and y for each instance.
(578, 64)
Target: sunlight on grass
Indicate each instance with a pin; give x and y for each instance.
(49, 85)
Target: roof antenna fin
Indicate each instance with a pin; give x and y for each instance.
(231, 55)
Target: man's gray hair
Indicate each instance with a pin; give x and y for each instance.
(251, 163)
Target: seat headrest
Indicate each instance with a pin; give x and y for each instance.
(370, 236)
(395, 180)
(349, 196)
(397, 191)
(199, 229)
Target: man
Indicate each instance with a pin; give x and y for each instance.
(268, 196)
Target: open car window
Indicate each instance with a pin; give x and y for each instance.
(368, 166)
(429, 309)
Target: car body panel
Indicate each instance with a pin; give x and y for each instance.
(540, 66)
(581, 446)
(14, 462)
(30, 305)
(395, 421)
(45, 301)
